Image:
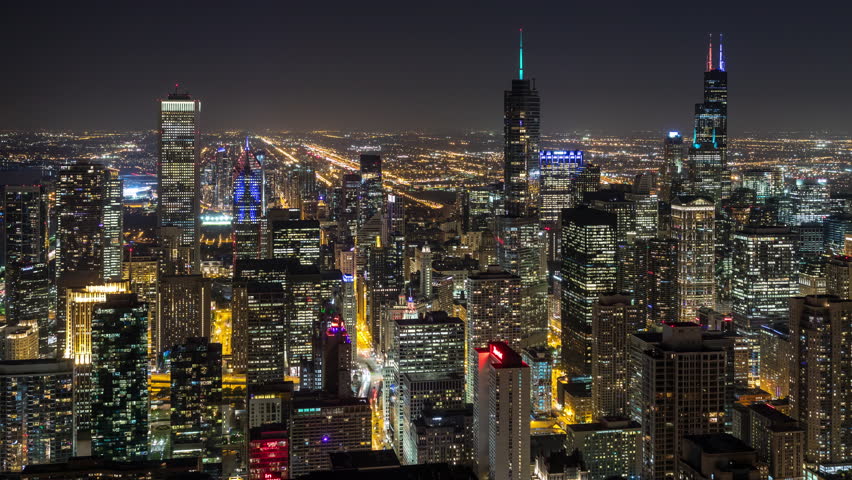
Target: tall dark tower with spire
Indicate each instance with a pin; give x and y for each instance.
(711, 116)
(521, 131)
(708, 156)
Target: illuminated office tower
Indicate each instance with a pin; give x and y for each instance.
(120, 379)
(296, 239)
(419, 392)
(820, 327)
(501, 413)
(441, 436)
(673, 173)
(557, 171)
(347, 206)
(19, 342)
(36, 412)
(589, 270)
(267, 341)
(521, 136)
(185, 310)
(614, 202)
(307, 290)
(709, 177)
(773, 343)
(519, 248)
(23, 248)
(836, 227)
(80, 201)
(810, 201)
(646, 214)
(692, 227)
(614, 319)
(269, 403)
(656, 279)
(269, 452)
(142, 273)
(249, 212)
(541, 368)
(178, 182)
(196, 397)
(348, 308)
(81, 304)
(662, 367)
(221, 177)
(432, 344)
(610, 447)
(321, 425)
(385, 280)
(371, 195)
(80, 236)
(764, 276)
(764, 182)
(588, 180)
(493, 314)
(480, 206)
(426, 272)
(113, 225)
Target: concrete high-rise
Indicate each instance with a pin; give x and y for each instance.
(693, 226)
(614, 319)
(557, 171)
(196, 397)
(184, 310)
(656, 279)
(493, 314)
(820, 327)
(680, 384)
(178, 180)
(501, 413)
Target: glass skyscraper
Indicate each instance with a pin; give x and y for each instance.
(249, 207)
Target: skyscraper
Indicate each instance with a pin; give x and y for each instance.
(521, 132)
(267, 343)
(557, 171)
(693, 223)
(196, 396)
(184, 303)
(656, 279)
(711, 116)
(178, 187)
(588, 271)
(36, 412)
(249, 211)
(663, 368)
(820, 327)
(493, 313)
(501, 413)
(294, 238)
(674, 169)
(763, 276)
(23, 250)
(614, 319)
(371, 195)
(120, 379)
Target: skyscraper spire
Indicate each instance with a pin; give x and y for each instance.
(721, 55)
(521, 56)
(710, 54)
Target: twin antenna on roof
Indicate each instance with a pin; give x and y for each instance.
(710, 54)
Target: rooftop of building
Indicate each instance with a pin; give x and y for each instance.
(605, 424)
(719, 443)
(363, 459)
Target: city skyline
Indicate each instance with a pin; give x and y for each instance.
(621, 70)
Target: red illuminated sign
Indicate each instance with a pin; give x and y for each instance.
(496, 352)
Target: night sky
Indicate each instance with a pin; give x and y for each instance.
(606, 66)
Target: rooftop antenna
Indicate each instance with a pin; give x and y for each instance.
(176, 88)
(721, 55)
(521, 56)
(710, 54)
(247, 143)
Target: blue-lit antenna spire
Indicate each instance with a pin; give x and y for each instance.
(247, 143)
(721, 55)
(521, 57)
